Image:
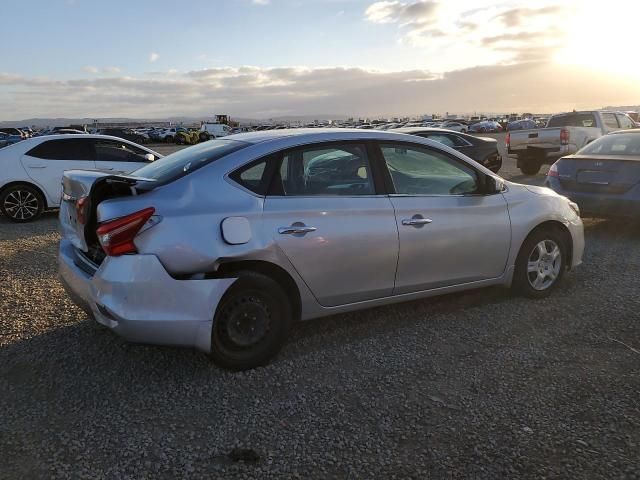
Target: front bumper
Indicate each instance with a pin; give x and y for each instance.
(134, 296)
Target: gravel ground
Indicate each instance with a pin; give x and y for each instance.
(474, 385)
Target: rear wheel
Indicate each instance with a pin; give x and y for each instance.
(529, 164)
(21, 203)
(541, 263)
(251, 323)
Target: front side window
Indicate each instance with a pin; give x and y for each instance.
(64, 149)
(114, 151)
(327, 171)
(418, 171)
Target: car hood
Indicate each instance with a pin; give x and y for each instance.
(532, 189)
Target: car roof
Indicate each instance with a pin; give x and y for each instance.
(412, 130)
(30, 142)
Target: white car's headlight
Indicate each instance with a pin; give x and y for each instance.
(574, 206)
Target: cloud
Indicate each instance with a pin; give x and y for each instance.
(261, 2)
(90, 69)
(153, 57)
(96, 70)
(482, 32)
(407, 13)
(258, 92)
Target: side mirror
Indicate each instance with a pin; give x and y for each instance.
(149, 157)
(492, 185)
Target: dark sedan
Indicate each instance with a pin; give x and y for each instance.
(482, 150)
(603, 178)
(125, 133)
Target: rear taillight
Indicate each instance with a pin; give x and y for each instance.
(508, 140)
(553, 171)
(116, 236)
(564, 137)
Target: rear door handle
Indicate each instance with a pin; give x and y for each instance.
(37, 166)
(296, 230)
(416, 221)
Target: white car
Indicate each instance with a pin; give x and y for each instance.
(455, 126)
(31, 170)
(215, 130)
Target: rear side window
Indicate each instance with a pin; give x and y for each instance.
(183, 162)
(114, 151)
(585, 120)
(64, 149)
(253, 177)
(609, 120)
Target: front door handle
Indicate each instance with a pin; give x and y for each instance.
(37, 166)
(296, 230)
(416, 221)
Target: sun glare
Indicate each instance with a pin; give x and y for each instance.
(603, 37)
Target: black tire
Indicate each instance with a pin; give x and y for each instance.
(21, 203)
(524, 279)
(530, 166)
(179, 140)
(168, 139)
(251, 323)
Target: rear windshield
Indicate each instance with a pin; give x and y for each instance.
(185, 161)
(617, 144)
(573, 120)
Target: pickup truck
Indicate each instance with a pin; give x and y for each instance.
(565, 134)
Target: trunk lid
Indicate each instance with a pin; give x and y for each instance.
(610, 174)
(83, 190)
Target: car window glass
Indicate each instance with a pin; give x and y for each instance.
(562, 121)
(585, 120)
(417, 171)
(444, 139)
(625, 122)
(114, 151)
(619, 144)
(64, 149)
(609, 120)
(336, 170)
(252, 177)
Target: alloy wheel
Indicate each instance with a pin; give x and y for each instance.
(21, 205)
(544, 264)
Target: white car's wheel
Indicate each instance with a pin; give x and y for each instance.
(21, 203)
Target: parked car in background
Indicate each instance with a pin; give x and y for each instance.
(603, 177)
(214, 130)
(224, 245)
(525, 124)
(9, 139)
(125, 133)
(455, 126)
(31, 171)
(13, 131)
(565, 133)
(185, 136)
(482, 150)
(486, 126)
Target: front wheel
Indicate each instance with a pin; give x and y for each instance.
(540, 264)
(21, 203)
(251, 323)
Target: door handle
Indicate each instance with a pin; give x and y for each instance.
(296, 230)
(416, 221)
(37, 166)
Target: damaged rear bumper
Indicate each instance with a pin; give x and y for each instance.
(134, 296)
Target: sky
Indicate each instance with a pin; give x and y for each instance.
(273, 58)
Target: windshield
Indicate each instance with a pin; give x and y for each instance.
(185, 161)
(617, 144)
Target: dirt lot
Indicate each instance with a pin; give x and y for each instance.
(476, 385)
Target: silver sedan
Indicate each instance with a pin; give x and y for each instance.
(224, 245)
